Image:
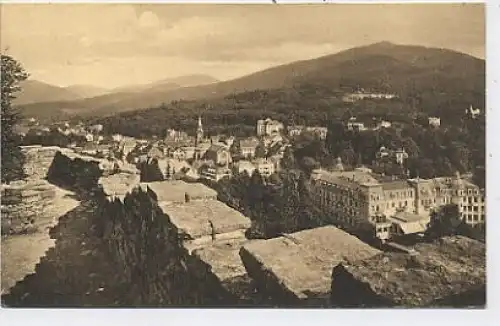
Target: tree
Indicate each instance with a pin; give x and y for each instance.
(459, 156)
(260, 150)
(348, 155)
(12, 73)
(335, 136)
(444, 221)
(479, 176)
(288, 161)
(235, 149)
(309, 164)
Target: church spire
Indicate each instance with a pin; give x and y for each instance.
(200, 126)
(199, 131)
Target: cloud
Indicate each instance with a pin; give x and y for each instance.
(148, 20)
(80, 38)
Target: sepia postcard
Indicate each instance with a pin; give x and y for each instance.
(243, 156)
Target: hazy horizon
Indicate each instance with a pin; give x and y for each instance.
(116, 45)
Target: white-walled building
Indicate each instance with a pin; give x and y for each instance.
(244, 166)
(434, 121)
(264, 166)
(269, 127)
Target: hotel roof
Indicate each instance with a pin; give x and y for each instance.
(348, 178)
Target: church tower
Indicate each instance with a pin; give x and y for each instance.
(199, 132)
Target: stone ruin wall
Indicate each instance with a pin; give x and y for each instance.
(131, 223)
(25, 202)
(39, 159)
(150, 252)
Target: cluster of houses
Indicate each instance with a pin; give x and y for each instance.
(179, 155)
(34, 127)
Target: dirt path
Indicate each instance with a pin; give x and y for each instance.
(21, 253)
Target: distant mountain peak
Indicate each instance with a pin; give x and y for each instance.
(384, 43)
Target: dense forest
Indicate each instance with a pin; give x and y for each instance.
(311, 105)
(276, 205)
(432, 152)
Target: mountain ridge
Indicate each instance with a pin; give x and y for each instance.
(383, 66)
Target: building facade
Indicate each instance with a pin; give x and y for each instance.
(264, 166)
(219, 154)
(431, 194)
(269, 127)
(247, 147)
(321, 132)
(362, 199)
(214, 173)
(361, 95)
(434, 121)
(473, 112)
(399, 156)
(294, 131)
(353, 124)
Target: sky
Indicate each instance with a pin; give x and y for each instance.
(116, 45)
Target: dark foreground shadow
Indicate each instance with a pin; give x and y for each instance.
(75, 273)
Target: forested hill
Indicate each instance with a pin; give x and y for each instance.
(433, 79)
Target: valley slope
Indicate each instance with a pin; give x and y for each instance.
(426, 76)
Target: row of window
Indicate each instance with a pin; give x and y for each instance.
(470, 208)
(397, 194)
(383, 229)
(473, 217)
(392, 204)
(471, 199)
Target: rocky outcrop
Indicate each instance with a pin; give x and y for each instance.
(26, 202)
(295, 269)
(450, 272)
(172, 243)
(23, 203)
(82, 173)
(39, 159)
(30, 208)
(177, 251)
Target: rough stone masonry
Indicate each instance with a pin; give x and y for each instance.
(174, 244)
